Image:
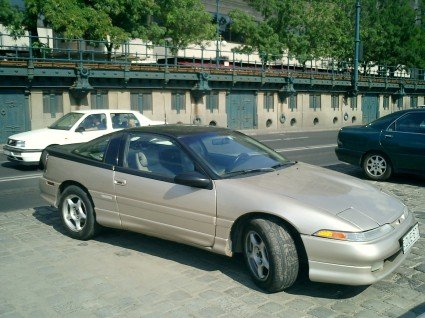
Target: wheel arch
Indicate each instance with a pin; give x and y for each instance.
(377, 151)
(68, 183)
(236, 232)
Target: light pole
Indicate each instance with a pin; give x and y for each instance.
(217, 31)
(356, 47)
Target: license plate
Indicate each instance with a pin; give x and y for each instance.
(410, 238)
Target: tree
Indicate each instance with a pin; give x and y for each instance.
(257, 35)
(11, 17)
(183, 22)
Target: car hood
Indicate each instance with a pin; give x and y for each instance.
(344, 196)
(40, 138)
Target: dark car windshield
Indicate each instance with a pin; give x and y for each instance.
(231, 153)
(66, 122)
(384, 122)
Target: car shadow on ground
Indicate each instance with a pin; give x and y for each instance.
(16, 166)
(233, 267)
(354, 171)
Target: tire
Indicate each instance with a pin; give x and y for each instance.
(43, 158)
(77, 214)
(377, 167)
(270, 255)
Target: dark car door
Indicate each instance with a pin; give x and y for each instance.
(404, 141)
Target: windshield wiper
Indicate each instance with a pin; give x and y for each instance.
(289, 163)
(241, 172)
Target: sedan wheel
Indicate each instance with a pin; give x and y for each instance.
(77, 213)
(377, 167)
(270, 254)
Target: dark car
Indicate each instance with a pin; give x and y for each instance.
(391, 144)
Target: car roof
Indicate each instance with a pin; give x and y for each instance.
(179, 130)
(97, 111)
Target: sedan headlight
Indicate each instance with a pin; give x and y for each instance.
(355, 236)
(20, 143)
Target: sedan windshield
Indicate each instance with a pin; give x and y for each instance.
(66, 122)
(231, 153)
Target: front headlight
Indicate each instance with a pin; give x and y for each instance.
(20, 143)
(355, 236)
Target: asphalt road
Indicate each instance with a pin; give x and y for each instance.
(19, 185)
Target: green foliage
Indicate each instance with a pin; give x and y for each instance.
(258, 36)
(183, 22)
(12, 18)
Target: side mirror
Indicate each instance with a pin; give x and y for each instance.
(80, 129)
(194, 179)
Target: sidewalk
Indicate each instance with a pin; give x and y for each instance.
(120, 274)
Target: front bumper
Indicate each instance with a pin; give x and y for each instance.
(22, 156)
(356, 263)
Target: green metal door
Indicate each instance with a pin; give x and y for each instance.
(369, 108)
(13, 114)
(241, 110)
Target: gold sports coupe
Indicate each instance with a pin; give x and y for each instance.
(225, 192)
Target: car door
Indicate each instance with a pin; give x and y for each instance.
(404, 141)
(149, 201)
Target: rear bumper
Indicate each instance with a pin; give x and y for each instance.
(48, 190)
(350, 156)
(356, 263)
(22, 156)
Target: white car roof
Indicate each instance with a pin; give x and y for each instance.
(96, 111)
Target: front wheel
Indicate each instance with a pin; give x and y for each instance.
(377, 167)
(77, 214)
(270, 254)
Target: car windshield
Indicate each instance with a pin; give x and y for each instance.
(230, 154)
(66, 122)
(383, 122)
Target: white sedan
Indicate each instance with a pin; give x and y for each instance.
(27, 148)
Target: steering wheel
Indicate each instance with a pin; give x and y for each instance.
(242, 157)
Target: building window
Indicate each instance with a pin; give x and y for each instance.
(141, 101)
(414, 101)
(212, 101)
(315, 101)
(178, 101)
(52, 103)
(268, 101)
(293, 102)
(99, 100)
(353, 102)
(400, 103)
(386, 102)
(335, 101)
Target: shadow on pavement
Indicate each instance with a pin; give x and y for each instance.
(16, 166)
(232, 267)
(354, 171)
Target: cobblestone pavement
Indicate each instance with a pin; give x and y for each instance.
(47, 274)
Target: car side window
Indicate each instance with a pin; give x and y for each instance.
(412, 123)
(94, 149)
(156, 155)
(93, 122)
(124, 120)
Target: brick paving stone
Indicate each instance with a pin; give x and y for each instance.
(120, 274)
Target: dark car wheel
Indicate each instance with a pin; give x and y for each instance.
(77, 214)
(270, 254)
(377, 167)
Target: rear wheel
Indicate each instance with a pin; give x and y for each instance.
(77, 214)
(377, 167)
(43, 159)
(270, 254)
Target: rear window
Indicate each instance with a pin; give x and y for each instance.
(384, 122)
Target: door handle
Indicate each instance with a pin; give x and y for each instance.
(388, 136)
(120, 182)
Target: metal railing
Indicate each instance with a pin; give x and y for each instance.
(201, 58)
